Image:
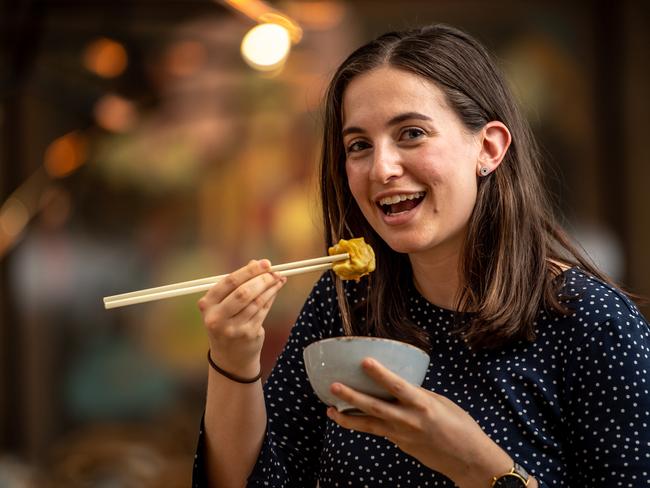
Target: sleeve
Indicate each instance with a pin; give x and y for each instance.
(199, 478)
(296, 417)
(607, 412)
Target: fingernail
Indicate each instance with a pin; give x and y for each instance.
(369, 362)
(335, 388)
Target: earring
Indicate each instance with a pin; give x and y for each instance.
(484, 171)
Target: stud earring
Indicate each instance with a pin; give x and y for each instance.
(484, 171)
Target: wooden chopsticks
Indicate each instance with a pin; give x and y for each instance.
(203, 284)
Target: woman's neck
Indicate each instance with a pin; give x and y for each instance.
(438, 279)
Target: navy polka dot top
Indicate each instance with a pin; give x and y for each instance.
(572, 407)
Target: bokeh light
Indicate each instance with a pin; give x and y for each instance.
(65, 154)
(115, 113)
(105, 57)
(266, 46)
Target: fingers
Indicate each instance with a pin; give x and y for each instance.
(369, 425)
(240, 312)
(248, 323)
(397, 422)
(257, 310)
(250, 296)
(233, 311)
(401, 389)
(237, 278)
(240, 289)
(372, 406)
(412, 397)
(245, 306)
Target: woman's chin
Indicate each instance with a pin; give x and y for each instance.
(405, 247)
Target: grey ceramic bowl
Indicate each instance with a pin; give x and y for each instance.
(338, 359)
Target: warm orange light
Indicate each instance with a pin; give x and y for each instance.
(250, 8)
(294, 30)
(17, 211)
(318, 15)
(14, 216)
(115, 114)
(105, 57)
(263, 13)
(65, 154)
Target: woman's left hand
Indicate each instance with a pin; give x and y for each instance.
(425, 425)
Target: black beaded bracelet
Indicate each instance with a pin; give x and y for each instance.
(230, 376)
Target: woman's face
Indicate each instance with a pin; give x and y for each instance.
(411, 164)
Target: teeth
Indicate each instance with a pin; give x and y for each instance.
(400, 198)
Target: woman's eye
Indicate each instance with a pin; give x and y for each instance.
(357, 146)
(412, 133)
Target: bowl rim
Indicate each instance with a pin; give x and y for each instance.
(381, 339)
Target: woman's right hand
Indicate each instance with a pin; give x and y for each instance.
(233, 311)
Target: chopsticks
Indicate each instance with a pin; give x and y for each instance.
(203, 284)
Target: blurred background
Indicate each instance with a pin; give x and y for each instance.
(144, 142)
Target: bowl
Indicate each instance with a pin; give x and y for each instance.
(338, 359)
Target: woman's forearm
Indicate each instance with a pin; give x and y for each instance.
(235, 423)
(233, 311)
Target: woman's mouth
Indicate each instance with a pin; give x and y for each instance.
(402, 203)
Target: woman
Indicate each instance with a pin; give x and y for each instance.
(539, 364)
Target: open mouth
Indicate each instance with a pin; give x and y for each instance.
(397, 204)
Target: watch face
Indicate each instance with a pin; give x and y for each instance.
(510, 481)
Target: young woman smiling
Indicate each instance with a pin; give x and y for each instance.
(539, 363)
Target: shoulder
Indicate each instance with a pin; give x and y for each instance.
(585, 293)
(595, 306)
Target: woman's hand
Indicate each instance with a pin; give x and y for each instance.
(427, 426)
(233, 311)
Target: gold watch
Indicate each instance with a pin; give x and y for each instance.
(516, 478)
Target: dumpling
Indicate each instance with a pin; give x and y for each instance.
(360, 263)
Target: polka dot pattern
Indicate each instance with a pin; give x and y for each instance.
(573, 407)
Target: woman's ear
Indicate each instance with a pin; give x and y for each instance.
(495, 140)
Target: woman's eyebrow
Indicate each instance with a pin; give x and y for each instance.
(393, 121)
(408, 116)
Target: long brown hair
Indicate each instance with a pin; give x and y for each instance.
(509, 263)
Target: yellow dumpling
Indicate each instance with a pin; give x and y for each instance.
(361, 262)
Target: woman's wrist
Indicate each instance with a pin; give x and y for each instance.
(240, 369)
(480, 475)
(485, 461)
(233, 377)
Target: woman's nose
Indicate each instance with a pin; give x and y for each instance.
(386, 163)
